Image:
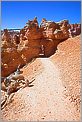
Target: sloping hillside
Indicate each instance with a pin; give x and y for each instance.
(55, 92)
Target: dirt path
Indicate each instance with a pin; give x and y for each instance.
(44, 101)
(50, 98)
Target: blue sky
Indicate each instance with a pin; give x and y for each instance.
(15, 14)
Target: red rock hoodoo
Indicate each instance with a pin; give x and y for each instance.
(33, 41)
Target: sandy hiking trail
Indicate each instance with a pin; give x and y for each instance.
(44, 101)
